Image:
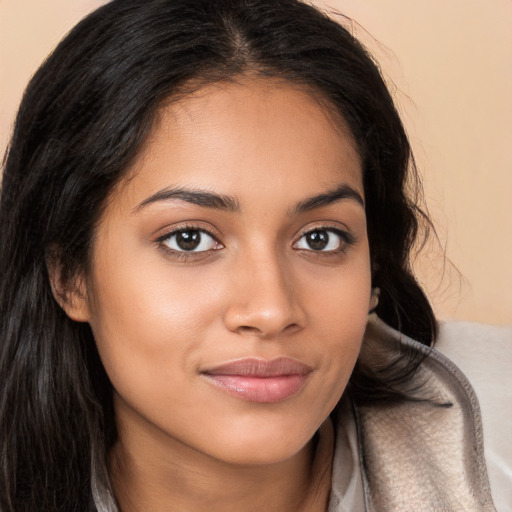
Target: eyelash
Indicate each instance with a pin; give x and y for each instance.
(346, 240)
(185, 255)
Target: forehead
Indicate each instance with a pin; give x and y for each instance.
(252, 135)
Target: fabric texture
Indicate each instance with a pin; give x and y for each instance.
(424, 454)
(484, 354)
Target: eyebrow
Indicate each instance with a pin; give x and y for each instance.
(198, 197)
(228, 203)
(327, 198)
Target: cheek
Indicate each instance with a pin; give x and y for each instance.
(149, 322)
(146, 294)
(149, 339)
(339, 301)
(337, 310)
(338, 304)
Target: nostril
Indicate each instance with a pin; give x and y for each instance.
(247, 329)
(291, 328)
(251, 330)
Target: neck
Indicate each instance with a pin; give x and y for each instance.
(184, 480)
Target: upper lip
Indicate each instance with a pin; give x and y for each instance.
(260, 367)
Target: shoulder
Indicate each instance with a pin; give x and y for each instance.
(484, 354)
(423, 452)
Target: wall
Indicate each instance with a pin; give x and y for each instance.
(449, 65)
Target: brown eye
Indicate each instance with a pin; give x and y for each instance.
(190, 240)
(317, 240)
(323, 240)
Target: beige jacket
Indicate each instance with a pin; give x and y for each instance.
(414, 456)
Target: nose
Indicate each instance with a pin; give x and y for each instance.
(265, 299)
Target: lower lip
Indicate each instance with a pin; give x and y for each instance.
(259, 389)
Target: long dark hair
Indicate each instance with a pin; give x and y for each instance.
(82, 120)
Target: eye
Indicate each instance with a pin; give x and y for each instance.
(323, 240)
(190, 240)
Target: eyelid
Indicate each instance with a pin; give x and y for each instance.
(190, 225)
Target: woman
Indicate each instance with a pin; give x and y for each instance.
(202, 205)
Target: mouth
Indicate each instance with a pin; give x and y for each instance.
(259, 380)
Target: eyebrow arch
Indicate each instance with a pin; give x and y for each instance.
(327, 198)
(198, 197)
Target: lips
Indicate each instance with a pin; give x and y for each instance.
(259, 380)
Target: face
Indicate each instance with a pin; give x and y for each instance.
(230, 279)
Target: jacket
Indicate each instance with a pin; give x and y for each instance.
(423, 454)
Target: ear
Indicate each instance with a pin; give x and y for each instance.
(374, 300)
(69, 292)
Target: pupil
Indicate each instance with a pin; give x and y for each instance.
(188, 240)
(318, 240)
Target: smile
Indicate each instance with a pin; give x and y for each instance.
(257, 380)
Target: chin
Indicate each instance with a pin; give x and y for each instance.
(262, 446)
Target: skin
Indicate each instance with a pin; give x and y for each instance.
(160, 316)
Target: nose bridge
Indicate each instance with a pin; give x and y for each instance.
(264, 300)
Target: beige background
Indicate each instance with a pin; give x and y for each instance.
(449, 64)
